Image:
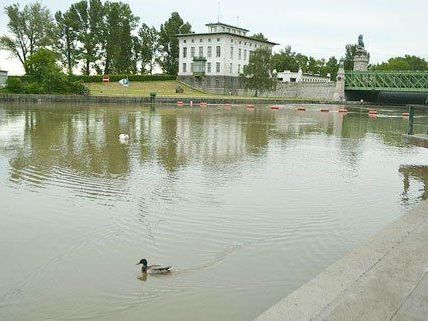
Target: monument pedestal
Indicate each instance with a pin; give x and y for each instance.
(361, 61)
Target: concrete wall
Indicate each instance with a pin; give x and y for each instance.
(226, 85)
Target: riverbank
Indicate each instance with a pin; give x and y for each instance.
(384, 279)
(95, 99)
(24, 98)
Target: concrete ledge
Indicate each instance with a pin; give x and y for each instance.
(384, 279)
(417, 140)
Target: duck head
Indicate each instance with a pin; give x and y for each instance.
(144, 263)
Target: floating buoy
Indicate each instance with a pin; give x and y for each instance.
(343, 110)
(301, 109)
(250, 106)
(275, 108)
(180, 104)
(191, 103)
(406, 114)
(325, 110)
(202, 104)
(373, 112)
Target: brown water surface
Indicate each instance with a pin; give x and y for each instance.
(247, 205)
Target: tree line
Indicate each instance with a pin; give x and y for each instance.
(95, 37)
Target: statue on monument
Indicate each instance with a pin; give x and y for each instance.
(360, 41)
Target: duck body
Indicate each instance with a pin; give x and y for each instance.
(153, 269)
(123, 138)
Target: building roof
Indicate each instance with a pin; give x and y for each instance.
(225, 33)
(3, 71)
(225, 25)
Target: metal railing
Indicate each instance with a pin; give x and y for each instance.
(412, 111)
(401, 81)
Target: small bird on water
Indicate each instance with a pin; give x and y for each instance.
(154, 269)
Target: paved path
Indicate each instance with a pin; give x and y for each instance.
(384, 279)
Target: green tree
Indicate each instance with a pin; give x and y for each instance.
(88, 18)
(118, 42)
(407, 62)
(259, 36)
(66, 40)
(331, 67)
(350, 53)
(45, 76)
(147, 47)
(31, 29)
(168, 42)
(285, 60)
(258, 74)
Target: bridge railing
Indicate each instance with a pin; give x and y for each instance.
(407, 81)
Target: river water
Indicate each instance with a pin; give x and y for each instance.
(247, 205)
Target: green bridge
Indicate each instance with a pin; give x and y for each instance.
(398, 81)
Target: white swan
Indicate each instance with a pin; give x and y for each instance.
(123, 138)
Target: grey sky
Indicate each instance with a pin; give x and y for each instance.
(314, 27)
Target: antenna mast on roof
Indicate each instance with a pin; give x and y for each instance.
(218, 13)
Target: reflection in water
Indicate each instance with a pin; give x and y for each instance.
(214, 191)
(419, 173)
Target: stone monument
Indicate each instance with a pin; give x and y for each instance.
(339, 93)
(361, 59)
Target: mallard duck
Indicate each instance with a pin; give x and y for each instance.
(154, 269)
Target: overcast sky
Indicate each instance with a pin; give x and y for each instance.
(319, 28)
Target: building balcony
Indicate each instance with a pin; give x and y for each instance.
(199, 66)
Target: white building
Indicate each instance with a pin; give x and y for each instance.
(290, 76)
(3, 78)
(216, 59)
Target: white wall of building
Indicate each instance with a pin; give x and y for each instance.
(290, 76)
(232, 61)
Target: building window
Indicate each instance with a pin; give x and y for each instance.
(184, 52)
(201, 51)
(218, 51)
(184, 67)
(200, 40)
(239, 53)
(223, 28)
(209, 39)
(245, 54)
(228, 29)
(208, 82)
(231, 52)
(231, 40)
(193, 40)
(184, 40)
(192, 52)
(239, 69)
(230, 68)
(217, 82)
(209, 67)
(209, 51)
(251, 44)
(217, 67)
(240, 42)
(218, 39)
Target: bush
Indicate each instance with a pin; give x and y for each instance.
(44, 76)
(116, 78)
(15, 85)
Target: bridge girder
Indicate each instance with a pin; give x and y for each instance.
(401, 81)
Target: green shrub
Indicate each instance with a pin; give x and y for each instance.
(116, 78)
(15, 85)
